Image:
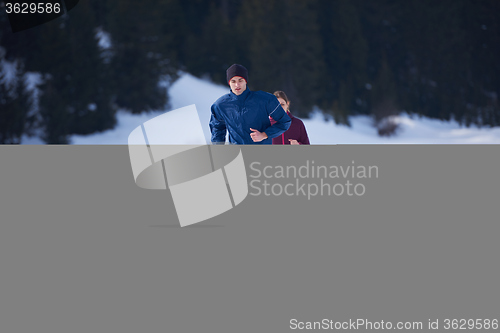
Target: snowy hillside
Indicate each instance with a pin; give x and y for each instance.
(190, 90)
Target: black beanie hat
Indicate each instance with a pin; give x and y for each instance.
(236, 70)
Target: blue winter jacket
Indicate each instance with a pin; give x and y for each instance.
(251, 109)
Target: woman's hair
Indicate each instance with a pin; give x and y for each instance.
(281, 94)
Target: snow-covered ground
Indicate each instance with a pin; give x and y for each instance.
(188, 90)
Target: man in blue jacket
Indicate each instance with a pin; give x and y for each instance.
(245, 114)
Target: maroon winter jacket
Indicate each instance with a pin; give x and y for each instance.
(297, 131)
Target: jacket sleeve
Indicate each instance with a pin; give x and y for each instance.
(304, 139)
(277, 113)
(217, 126)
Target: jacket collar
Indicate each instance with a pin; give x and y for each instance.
(240, 97)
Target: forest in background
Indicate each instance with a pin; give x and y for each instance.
(438, 59)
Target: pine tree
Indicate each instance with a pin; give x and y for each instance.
(284, 49)
(75, 97)
(15, 108)
(211, 51)
(346, 53)
(142, 55)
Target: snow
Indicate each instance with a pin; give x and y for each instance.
(103, 39)
(9, 70)
(188, 90)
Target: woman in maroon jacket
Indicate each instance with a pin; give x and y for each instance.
(296, 134)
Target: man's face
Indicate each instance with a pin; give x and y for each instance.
(238, 85)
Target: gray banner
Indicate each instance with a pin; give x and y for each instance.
(328, 238)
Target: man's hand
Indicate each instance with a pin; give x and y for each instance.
(257, 136)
